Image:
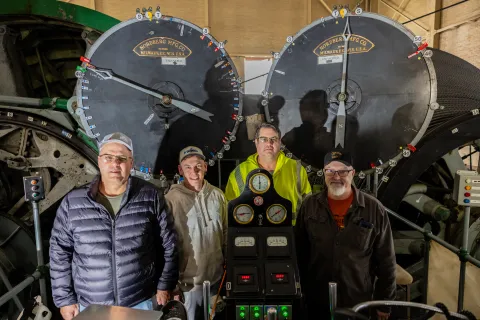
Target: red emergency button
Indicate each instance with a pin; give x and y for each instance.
(467, 194)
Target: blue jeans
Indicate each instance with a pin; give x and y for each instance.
(145, 305)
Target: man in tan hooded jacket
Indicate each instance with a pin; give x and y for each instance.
(200, 214)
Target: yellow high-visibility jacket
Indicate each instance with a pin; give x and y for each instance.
(289, 178)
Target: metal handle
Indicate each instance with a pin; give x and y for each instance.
(271, 314)
(370, 304)
(332, 294)
(206, 299)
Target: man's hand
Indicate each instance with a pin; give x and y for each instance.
(69, 312)
(382, 315)
(163, 297)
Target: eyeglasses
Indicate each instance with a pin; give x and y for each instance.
(109, 158)
(341, 173)
(267, 139)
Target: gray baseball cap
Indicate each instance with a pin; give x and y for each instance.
(116, 137)
(190, 151)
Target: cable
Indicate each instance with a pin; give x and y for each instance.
(218, 294)
(452, 5)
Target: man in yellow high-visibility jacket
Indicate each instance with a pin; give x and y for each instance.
(289, 176)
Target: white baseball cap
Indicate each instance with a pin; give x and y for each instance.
(190, 151)
(117, 137)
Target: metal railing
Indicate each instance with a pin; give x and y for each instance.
(462, 252)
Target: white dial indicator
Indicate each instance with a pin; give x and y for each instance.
(277, 241)
(244, 241)
(243, 214)
(259, 183)
(276, 213)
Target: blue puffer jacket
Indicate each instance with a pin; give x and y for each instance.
(95, 259)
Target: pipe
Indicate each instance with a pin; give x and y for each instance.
(416, 188)
(332, 293)
(206, 299)
(417, 247)
(428, 206)
(370, 304)
(21, 100)
(19, 287)
(45, 103)
(39, 245)
(426, 266)
(463, 261)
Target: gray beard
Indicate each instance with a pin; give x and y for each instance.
(337, 191)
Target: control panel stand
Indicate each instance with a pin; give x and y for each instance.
(262, 280)
(34, 192)
(466, 192)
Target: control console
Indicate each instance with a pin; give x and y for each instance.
(466, 190)
(262, 279)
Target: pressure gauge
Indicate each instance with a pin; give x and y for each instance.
(244, 241)
(277, 241)
(259, 183)
(276, 213)
(243, 214)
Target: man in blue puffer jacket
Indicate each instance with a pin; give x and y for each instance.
(113, 242)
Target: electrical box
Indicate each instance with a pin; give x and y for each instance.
(466, 190)
(33, 187)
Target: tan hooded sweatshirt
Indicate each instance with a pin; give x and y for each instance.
(201, 224)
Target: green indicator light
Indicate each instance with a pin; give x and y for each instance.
(284, 308)
(285, 314)
(242, 308)
(257, 314)
(242, 314)
(256, 308)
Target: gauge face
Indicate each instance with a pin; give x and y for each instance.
(167, 75)
(305, 83)
(277, 241)
(276, 213)
(259, 183)
(244, 241)
(243, 214)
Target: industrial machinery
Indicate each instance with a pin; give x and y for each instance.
(162, 80)
(262, 279)
(404, 109)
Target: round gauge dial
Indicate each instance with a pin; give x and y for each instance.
(160, 82)
(305, 83)
(243, 214)
(244, 241)
(277, 241)
(276, 213)
(259, 183)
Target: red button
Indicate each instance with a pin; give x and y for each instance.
(467, 194)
